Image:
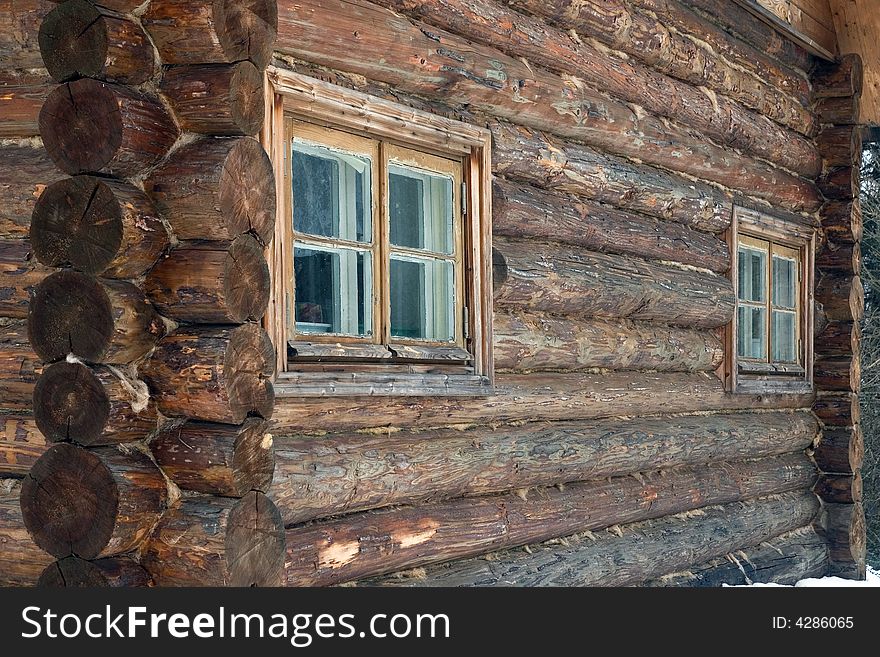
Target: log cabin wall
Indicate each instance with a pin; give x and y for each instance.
(624, 133)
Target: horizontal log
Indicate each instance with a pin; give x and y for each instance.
(491, 24)
(534, 342)
(20, 367)
(842, 258)
(95, 127)
(21, 561)
(785, 560)
(92, 406)
(842, 297)
(212, 282)
(840, 145)
(842, 221)
(526, 212)
(837, 373)
(840, 489)
(21, 444)
(840, 339)
(218, 459)
(562, 281)
(20, 274)
(840, 79)
(112, 572)
(650, 40)
(120, 6)
(440, 64)
(25, 171)
(379, 542)
(840, 450)
(529, 397)
(97, 226)
(843, 526)
(342, 473)
(191, 32)
(837, 409)
(101, 321)
(91, 503)
(628, 556)
(80, 39)
(22, 94)
(839, 183)
(215, 374)
(218, 542)
(840, 111)
(19, 26)
(216, 189)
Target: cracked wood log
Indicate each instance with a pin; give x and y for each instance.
(629, 555)
(491, 24)
(431, 63)
(786, 559)
(343, 473)
(216, 99)
(21, 444)
(840, 145)
(91, 503)
(20, 275)
(19, 28)
(22, 94)
(212, 282)
(92, 406)
(843, 258)
(215, 374)
(534, 342)
(97, 226)
(217, 459)
(842, 297)
(101, 321)
(840, 339)
(218, 542)
(112, 572)
(837, 409)
(837, 373)
(531, 397)
(840, 489)
(388, 540)
(842, 221)
(840, 79)
(843, 526)
(79, 39)
(20, 367)
(121, 6)
(840, 111)
(25, 171)
(95, 127)
(648, 39)
(526, 212)
(562, 281)
(839, 183)
(21, 561)
(223, 31)
(840, 450)
(216, 189)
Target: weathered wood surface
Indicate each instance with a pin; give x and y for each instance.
(21, 444)
(840, 450)
(218, 459)
(101, 321)
(20, 274)
(89, 126)
(392, 50)
(216, 99)
(786, 559)
(837, 373)
(842, 296)
(97, 226)
(112, 572)
(840, 145)
(840, 339)
(25, 171)
(490, 23)
(121, 6)
(845, 258)
(526, 212)
(628, 556)
(218, 542)
(840, 489)
(216, 189)
(91, 503)
(839, 183)
(197, 32)
(20, 367)
(215, 374)
(843, 526)
(839, 111)
(317, 477)
(22, 94)
(21, 561)
(19, 29)
(92, 406)
(79, 39)
(530, 397)
(384, 541)
(525, 342)
(842, 221)
(837, 409)
(563, 281)
(212, 282)
(841, 79)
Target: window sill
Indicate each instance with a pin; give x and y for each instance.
(772, 385)
(324, 384)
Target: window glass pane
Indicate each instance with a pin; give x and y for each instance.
(784, 337)
(334, 289)
(752, 274)
(422, 302)
(331, 193)
(784, 282)
(751, 332)
(420, 208)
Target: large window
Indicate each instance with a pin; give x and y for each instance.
(381, 247)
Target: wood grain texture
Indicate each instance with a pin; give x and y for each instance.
(840, 450)
(112, 572)
(843, 526)
(25, 172)
(22, 94)
(21, 444)
(19, 29)
(20, 367)
(21, 561)
(20, 275)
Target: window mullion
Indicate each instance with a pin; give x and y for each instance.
(383, 252)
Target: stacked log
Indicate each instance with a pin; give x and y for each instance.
(21, 560)
(110, 572)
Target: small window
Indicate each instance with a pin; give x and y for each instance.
(771, 335)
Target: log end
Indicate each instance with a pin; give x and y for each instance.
(255, 542)
(70, 404)
(247, 190)
(73, 572)
(73, 41)
(247, 30)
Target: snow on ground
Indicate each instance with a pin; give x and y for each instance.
(873, 579)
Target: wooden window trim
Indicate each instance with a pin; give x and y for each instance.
(290, 94)
(751, 377)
